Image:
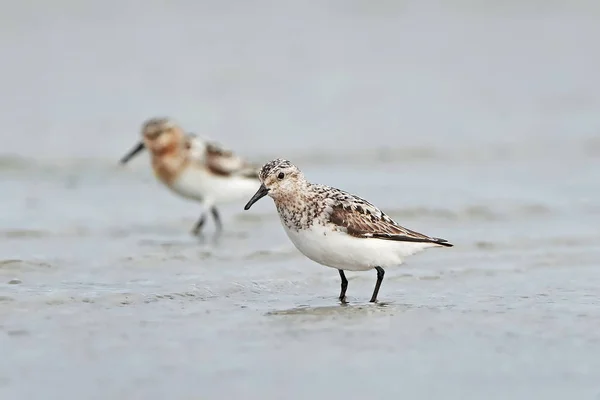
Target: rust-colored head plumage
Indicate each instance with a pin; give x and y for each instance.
(160, 134)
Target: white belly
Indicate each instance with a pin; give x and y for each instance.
(342, 251)
(199, 184)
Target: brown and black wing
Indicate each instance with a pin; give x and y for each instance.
(366, 221)
(224, 162)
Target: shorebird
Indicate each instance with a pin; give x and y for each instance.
(335, 228)
(195, 168)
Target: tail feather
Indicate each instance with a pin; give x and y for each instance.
(442, 242)
(403, 238)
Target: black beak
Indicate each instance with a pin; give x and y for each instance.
(260, 193)
(139, 147)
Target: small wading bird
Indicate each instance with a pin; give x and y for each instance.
(194, 168)
(335, 228)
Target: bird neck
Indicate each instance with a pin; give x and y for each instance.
(297, 209)
(169, 161)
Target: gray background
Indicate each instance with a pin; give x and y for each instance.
(476, 122)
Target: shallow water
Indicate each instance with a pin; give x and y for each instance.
(477, 123)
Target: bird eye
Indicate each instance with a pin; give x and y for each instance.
(280, 176)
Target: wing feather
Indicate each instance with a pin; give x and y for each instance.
(364, 220)
(224, 162)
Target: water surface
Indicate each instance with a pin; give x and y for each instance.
(475, 122)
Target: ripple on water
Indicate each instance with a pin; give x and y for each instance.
(353, 311)
(119, 298)
(346, 310)
(24, 234)
(23, 265)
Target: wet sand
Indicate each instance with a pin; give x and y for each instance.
(105, 294)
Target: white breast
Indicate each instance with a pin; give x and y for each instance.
(200, 184)
(339, 250)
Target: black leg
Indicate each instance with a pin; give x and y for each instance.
(215, 214)
(344, 286)
(380, 273)
(199, 224)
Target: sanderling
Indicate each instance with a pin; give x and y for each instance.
(195, 168)
(335, 228)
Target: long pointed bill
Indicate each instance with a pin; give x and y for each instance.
(139, 147)
(260, 193)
